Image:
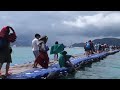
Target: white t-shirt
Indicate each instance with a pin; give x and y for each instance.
(35, 43)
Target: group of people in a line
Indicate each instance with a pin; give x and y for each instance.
(40, 49)
(91, 48)
(114, 47)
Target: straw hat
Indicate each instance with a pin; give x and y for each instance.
(44, 38)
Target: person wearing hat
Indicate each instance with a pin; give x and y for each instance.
(43, 58)
(64, 60)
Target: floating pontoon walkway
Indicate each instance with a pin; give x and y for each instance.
(39, 73)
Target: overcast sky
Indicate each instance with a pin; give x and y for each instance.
(64, 26)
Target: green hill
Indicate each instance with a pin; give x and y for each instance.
(109, 41)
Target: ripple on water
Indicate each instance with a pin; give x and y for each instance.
(109, 68)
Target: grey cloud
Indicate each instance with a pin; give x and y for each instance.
(50, 23)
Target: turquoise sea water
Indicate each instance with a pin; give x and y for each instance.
(23, 55)
(109, 68)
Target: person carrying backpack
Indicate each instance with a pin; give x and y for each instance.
(5, 50)
(87, 48)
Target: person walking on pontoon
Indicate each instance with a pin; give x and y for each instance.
(43, 59)
(35, 47)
